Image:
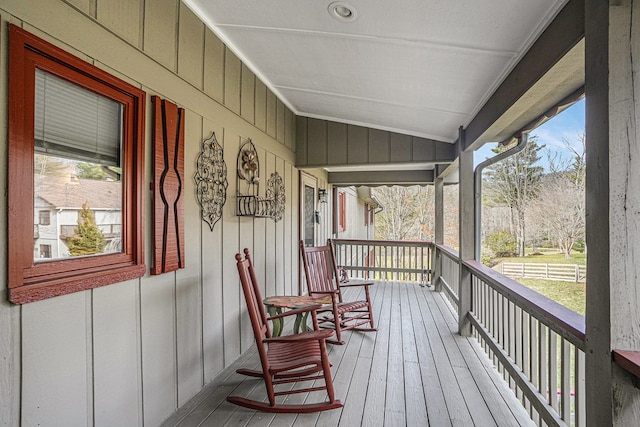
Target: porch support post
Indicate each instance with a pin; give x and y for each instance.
(612, 86)
(467, 233)
(439, 231)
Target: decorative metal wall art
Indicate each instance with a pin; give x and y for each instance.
(211, 180)
(275, 194)
(249, 203)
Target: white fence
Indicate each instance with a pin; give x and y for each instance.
(563, 272)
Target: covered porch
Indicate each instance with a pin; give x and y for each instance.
(475, 348)
(416, 371)
(522, 364)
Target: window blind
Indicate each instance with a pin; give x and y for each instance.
(75, 123)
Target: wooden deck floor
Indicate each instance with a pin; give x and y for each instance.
(415, 371)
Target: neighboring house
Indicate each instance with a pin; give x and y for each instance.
(57, 205)
(354, 216)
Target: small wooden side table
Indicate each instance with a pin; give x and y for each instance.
(275, 305)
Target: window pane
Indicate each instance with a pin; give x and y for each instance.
(77, 171)
(309, 220)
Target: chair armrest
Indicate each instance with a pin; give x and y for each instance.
(332, 291)
(300, 310)
(347, 284)
(304, 336)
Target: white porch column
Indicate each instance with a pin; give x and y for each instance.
(467, 233)
(612, 85)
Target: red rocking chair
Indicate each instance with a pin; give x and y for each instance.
(323, 279)
(287, 359)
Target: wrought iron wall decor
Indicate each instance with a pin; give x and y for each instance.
(211, 180)
(275, 194)
(249, 203)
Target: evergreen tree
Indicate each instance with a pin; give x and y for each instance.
(514, 182)
(88, 240)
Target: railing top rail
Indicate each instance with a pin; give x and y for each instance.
(543, 308)
(383, 242)
(451, 253)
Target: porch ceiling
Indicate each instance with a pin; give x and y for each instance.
(417, 67)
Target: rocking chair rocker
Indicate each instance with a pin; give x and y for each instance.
(323, 280)
(287, 359)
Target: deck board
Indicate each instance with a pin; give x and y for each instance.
(436, 405)
(416, 370)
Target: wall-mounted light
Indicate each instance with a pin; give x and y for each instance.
(322, 195)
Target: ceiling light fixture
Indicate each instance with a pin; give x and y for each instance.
(342, 11)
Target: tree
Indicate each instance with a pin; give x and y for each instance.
(45, 165)
(407, 213)
(514, 182)
(97, 172)
(88, 240)
(559, 208)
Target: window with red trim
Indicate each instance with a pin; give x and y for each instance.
(342, 209)
(66, 117)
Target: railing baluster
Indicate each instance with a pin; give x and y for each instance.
(543, 364)
(580, 398)
(519, 336)
(533, 351)
(553, 371)
(565, 381)
(510, 334)
(500, 324)
(496, 320)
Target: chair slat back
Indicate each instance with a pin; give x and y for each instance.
(319, 267)
(253, 297)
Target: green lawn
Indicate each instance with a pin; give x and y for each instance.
(571, 295)
(547, 256)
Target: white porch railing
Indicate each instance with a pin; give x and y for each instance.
(448, 273)
(535, 343)
(402, 261)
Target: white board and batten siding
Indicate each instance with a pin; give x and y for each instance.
(131, 353)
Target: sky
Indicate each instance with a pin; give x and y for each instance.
(568, 125)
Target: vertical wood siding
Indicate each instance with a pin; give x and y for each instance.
(321, 142)
(132, 352)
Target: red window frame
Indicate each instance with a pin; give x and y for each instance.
(342, 211)
(31, 281)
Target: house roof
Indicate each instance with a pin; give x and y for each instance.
(62, 192)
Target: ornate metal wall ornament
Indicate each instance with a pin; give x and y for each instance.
(249, 203)
(211, 180)
(275, 194)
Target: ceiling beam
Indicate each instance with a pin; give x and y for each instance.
(371, 178)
